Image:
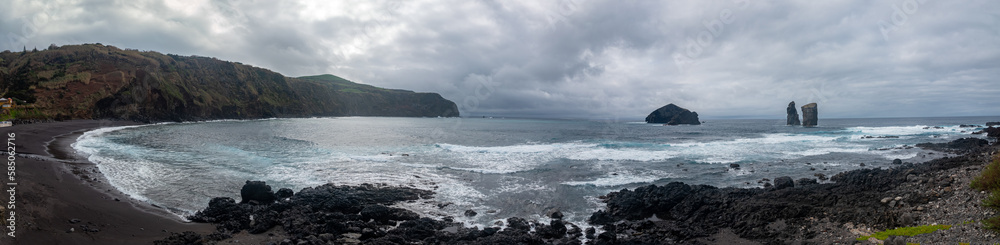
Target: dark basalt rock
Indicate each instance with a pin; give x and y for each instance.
(673, 115)
(810, 115)
(959, 145)
(257, 192)
(284, 193)
(318, 214)
(793, 114)
(685, 212)
(992, 132)
(783, 182)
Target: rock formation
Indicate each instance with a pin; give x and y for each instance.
(809, 115)
(363, 214)
(783, 182)
(793, 114)
(257, 192)
(744, 211)
(673, 115)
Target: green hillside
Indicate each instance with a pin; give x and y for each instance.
(99, 81)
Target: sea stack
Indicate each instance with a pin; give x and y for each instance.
(793, 114)
(673, 115)
(809, 115)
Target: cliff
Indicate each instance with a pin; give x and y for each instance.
(810, 115)
(99, 81)
(793, 114)
(673, 115)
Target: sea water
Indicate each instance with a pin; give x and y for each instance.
(499, 168)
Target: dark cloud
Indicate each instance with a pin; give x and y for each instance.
(575, 58)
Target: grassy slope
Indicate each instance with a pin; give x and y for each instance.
(989, 180)
(98, 81)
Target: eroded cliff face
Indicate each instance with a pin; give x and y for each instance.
(810, 116)
(98, 81)
(793, 114)
(673, 115)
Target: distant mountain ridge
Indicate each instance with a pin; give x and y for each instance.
(99, 81)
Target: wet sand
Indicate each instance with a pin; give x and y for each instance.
(61, 198)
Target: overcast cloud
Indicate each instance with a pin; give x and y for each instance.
(576, 58)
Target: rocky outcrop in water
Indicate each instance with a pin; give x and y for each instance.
(673, 115)
(810, 116)
(958, 145)
(793, 114)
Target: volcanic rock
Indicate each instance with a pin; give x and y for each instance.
(284, 193)
(783, 182)
(963, 144)
(810, 116)
(793, 114)
(257, 191)
(673, 115)
(992, 132)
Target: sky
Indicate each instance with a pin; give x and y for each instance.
(579, 58)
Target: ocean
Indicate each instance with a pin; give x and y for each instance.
(499, 168)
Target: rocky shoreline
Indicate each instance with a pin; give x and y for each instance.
(854, 204)
(330, 214)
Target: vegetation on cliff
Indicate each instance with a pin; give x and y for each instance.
(989, 181)
(100, 81)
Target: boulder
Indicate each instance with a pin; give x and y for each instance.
(257, 191)
(806, 181)
(810, 116)
(673, 115)
(992, 132)
(793, 114)
(783, 182)
(284, 193)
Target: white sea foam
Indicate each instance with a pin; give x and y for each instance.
(129, 177)
(514, 158)
(512, 184)
(907, 130)
(623, 178)
(605, 154)
(828, 150)
(508, 159)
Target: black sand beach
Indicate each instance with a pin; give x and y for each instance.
(62, 199)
